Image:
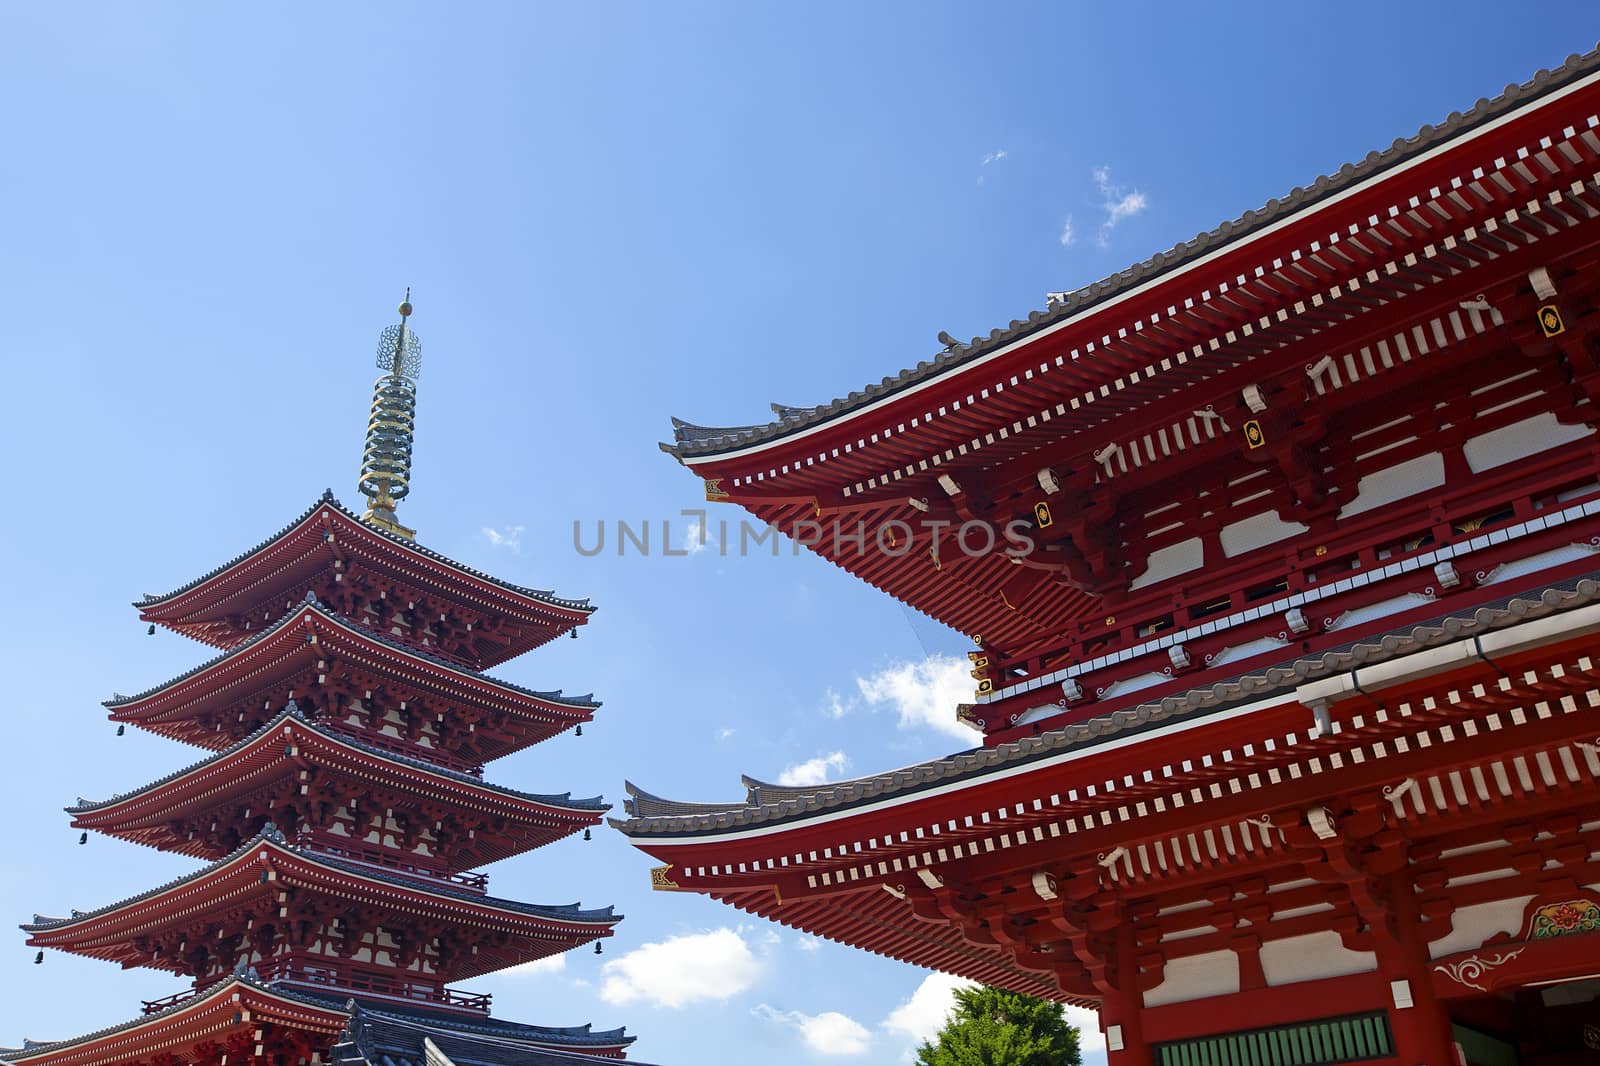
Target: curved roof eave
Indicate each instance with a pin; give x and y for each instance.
(694, 442)
(561, 801)
(574, 913)
(544, 596)
(796, 805)
(556, 696)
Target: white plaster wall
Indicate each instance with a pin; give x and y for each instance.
(1246, 650)
(1396, 483)
(1169, 562)
(1475, 924)
(1215, 973)
(1519, 440)
(1313, 956)
(1257, 531)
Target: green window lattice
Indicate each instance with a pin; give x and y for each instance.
(1320, 1043)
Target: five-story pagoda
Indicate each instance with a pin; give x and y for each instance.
(341, 806)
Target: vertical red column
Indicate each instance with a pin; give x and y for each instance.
(1421, 1022)
(1121, 1008)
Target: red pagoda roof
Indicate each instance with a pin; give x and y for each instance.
(242, 1004)
(259, 872)
(305, 641)
(215, 608)
(209, 1015)
(1124, 383)
(288, 745)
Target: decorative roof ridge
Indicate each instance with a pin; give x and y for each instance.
(639, 802)
(586, 701)
(762, 793)
(578, 1035)
(328, 500)
(272, 836)
(34, 1047)
(1499, 614)
(690, 440)
(553, 800)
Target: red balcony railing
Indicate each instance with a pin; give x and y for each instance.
(369, 983)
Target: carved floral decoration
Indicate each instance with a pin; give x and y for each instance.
(1564, 919)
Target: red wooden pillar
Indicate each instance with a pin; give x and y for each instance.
(1420, 1020)
(1123, 1005)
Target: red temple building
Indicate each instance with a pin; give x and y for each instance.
(341, 807)
(1279, 555)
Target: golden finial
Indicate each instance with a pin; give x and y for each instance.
(386, 463)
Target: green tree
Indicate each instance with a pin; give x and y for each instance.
(991, 1027)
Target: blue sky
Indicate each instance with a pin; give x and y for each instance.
(608, 215)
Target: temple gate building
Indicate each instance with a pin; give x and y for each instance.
(341, 805)
(1279, 556)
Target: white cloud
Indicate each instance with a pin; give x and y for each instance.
(922, 1016)
(923, 693)
(828, 1033)
(507, 537)
(680, 970)
(838, 707)
(1067, 236)
(1090, 1038)
(811, 943)
(695, 538)
(1118, 203)
(814, 771)
(550, 964)
(725, 733)
(994, 156)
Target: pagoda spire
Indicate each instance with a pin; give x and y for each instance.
(386, 462)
